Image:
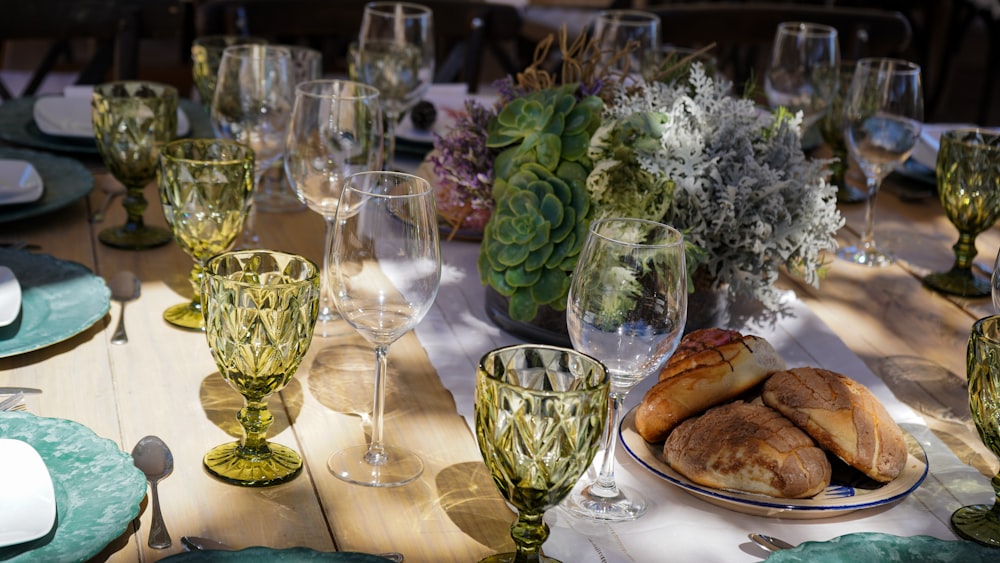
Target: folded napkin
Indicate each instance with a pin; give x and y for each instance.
(69, 115)
(929, 143)
(29, 506)
(10, 296)
(19, 182)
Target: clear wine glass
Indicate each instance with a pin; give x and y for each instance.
(615, 29)
(206, 53)
(336, 131)
(253, 105)
(804, 69)
(395, 54)
(883, 112)
(627, 307)
(384, 276)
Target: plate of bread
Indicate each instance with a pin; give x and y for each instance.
(730, 423)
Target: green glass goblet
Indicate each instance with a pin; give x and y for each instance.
(968, 172)
(132, 121)
(981, 522)
(539, 415)
(205, 189)
(260, 309)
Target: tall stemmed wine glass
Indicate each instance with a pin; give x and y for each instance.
(627, 307)
(981, 522)
(384, 276)
(205, 189)
(132, 121)
(968, 172)
(540, 412)
(615, 29)
(883, 112)
(804, 69)
(253, 105)
(395, 54)
(260, 308)
(206, 54)
(336, 131)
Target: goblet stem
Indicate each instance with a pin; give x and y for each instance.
(376, 451)
(529, 532)
(255, 419)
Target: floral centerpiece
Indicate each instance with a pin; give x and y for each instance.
(549, 158)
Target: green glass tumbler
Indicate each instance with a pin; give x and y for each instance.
(205, 190)
(260, 309)
(540, 412)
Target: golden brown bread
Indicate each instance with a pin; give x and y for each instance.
(748, 447)
(698, 348)
(718, 373)
(842, 416)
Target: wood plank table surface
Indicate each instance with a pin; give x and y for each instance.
(164, 382)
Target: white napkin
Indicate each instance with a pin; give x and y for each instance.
(929, 143)
(19, 182)
(69, 115)
(10, 296)
(29, 506)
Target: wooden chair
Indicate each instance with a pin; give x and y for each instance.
(465, 30)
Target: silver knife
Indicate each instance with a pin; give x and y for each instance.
(25, 390)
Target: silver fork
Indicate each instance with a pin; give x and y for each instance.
(13, 402)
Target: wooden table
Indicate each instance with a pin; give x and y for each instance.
(164, 382)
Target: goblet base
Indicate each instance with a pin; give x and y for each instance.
(871, 257)
(625, 505)
(511, 557)
(234, 464)
(961, 282)
(185, 315)
(979, 523)
(127, 237)
(398, 467)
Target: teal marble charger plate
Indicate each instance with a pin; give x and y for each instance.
(17, 125)
(98, 488)
(59, 299)
(268, 555)
(64, 181)
(870, 546)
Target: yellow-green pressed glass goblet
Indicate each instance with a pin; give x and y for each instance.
(205, 189)
(981, 522)
(539, 415)
(132, 121)
(260, 309)
(968, 179)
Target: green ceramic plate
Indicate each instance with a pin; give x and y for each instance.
(17, 125)
(98, 489)
(268, 555)
(64, 179)
(884, 547)
(59, 299)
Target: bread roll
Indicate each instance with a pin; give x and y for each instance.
(748, 447)
(698, 347)
(842, 416)
(718, 373)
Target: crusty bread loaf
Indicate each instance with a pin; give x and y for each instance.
(721, 373)
(748, 447)
(698, 348)
(843, 416)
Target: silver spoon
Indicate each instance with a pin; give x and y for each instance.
(124, 288)
(769, 543)
(152, 456)
(111, 191)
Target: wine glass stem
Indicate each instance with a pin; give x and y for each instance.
(390, 157)
(250, 237)
(325, 304)
(868, 237)
(605, 485)
(376, 451)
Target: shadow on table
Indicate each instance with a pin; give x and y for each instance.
(221, 403)
(468, 496)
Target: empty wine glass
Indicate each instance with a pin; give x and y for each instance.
(627, 307)
(205, 189)
(260, 308)
(883, 112)
(968, 182)
(336, 131)
(395, 54)
(804, 69)
(206, 53)
(253, 105)
(384, 276)
(540, 412)
(981, 522)
(615, 29)
(132, 121)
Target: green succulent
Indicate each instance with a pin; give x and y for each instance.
(542, 209)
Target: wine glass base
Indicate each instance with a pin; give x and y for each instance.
(871, 257)
(131, 238)
(185, 315)
(979, 523)
(511, 557)
(626, 505)
(329, 323)
(958, 282)
(230, 463)
(400, 467)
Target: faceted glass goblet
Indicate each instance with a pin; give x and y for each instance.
(132, 121)
(205, 189)
(540, 412)
(968, 172)
(260, 308)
